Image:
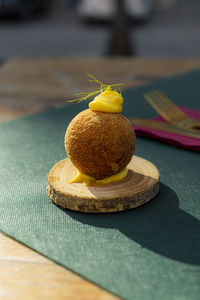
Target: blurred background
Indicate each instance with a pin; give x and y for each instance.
(95, 28)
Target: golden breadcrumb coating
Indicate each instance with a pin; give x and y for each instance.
(100, 144)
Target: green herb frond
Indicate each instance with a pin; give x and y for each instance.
(87, 95)
(103, 87)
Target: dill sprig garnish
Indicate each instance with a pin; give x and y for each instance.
(103, 87)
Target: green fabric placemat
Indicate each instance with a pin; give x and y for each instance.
(151, 252)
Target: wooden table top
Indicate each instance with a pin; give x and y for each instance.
(31, 85)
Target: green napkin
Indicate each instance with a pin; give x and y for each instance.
(151, 252)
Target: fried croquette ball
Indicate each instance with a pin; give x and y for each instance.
(100, 144)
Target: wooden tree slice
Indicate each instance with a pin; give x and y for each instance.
(140, 186)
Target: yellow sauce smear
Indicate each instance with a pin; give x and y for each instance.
(108, 101)
(91, 181)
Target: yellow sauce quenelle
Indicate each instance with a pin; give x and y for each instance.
(108, 101)
(91, 181)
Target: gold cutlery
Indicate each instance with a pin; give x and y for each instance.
(169, 111)
(166, 127)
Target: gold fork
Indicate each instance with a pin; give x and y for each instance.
(169, 111)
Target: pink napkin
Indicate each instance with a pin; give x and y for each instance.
(171, 138)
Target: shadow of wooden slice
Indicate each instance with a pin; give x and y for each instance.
(140, 186)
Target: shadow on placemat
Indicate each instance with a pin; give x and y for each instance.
(160, 226)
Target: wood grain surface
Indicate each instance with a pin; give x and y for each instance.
(32, 85)
(139, 187)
